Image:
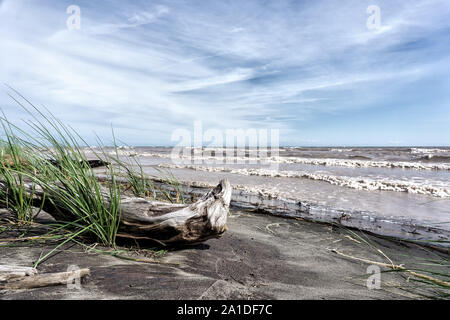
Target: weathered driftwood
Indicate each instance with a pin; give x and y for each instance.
(9, 272)
(41, 280)
(169, 223)
(175, 223)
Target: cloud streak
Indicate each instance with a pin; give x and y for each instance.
(298, 66)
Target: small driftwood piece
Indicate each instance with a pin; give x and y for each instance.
(11, 272)
(42, 280)
(396, 267)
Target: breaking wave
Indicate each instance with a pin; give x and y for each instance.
(350, 163)
(435, 158)
(427, 150)
(367, 163)
(428, 161)
(358, 183)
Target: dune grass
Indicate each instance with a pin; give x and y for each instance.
(141, 185)
(56, 162)
(13, 170)
(176, 194)
(44, 164)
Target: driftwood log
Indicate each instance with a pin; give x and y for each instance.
(167, 223)
(176, 223)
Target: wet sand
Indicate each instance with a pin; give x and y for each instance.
(259, 257)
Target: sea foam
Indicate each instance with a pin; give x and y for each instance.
(359, 183)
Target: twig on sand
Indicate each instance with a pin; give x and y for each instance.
(352, 239)
(33, 238)
(394, 267)
(273, 225)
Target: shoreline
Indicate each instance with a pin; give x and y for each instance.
(402, 228)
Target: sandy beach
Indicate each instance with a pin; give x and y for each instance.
(259, 257)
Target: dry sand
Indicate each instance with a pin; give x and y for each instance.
(259, 257)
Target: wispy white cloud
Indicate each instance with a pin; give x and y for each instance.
(150, 68)
(135, 20)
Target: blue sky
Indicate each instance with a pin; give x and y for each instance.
(311, 69)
